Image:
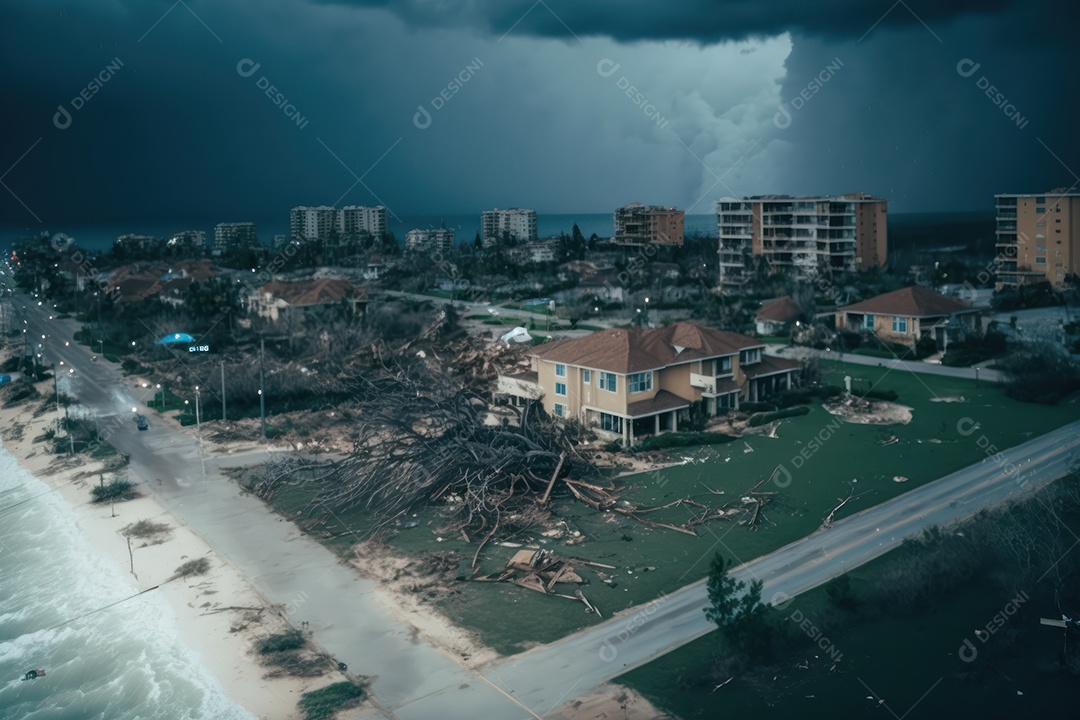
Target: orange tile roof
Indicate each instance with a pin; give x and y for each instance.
(914, 301)
(622, 350)
(661, 402)
(782, 310)
(325, 291)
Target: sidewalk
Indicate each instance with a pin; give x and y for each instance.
(915, 366)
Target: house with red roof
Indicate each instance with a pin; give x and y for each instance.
(908, 315)
(278, 298)
(630, 382)
(776, 316)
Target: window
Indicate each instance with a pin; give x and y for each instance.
(560, 410)
(639, 382)
(560, 371)
(560, 388)
(899, 324)
(586, 376)
(611, 423)
(1039, 210)
(868, 322)
(1040, 200)
(1040, 261)
(749, 357)
(609, 382)
(722, 366)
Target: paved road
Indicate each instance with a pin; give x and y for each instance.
(413, 680)
(915, 366)
(546, 676)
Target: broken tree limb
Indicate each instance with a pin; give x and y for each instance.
(829, 518)
(652, 523)
(554, 476)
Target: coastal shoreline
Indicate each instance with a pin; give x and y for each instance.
(219, 615)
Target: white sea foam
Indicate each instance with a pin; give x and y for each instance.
(121, 663)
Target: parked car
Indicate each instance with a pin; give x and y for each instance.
(141, 422)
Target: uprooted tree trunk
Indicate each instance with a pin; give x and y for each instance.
(414, 448)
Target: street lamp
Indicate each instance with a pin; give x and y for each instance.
(162, 393)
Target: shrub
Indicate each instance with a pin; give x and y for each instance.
(324, 703)
(130, 366)
(199, 566)
(281, 642)
(789, 398)
(877, 394)
(116, 490)
(145, 529)
(753, 407)
(678, 439)
(768, 417)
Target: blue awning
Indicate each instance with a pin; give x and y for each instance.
(179, 338)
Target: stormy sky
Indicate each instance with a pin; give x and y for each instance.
(125, 110)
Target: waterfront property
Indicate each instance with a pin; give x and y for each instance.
(1038, 237)
(807, 235)
(637, 224)
(626, 383)
(908, 315)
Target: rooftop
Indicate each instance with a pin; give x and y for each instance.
(622, 350)
(914, 301)
(324, 291)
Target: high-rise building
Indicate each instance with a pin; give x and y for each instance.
(637, 224)
(806, 235)
(312, 223)
(1038, 237)
(234, 236)
(516, 224)
(356, 220)
(429, 240)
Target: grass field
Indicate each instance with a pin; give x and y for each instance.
(825, 459)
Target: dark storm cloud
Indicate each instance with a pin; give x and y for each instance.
(177, 132)
(700, 20)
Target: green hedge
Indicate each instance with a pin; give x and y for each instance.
(876, 394)
(789, 398)
(768, 417)
(753, 407)
(678, 439)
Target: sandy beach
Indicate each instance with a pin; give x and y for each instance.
(219, 615)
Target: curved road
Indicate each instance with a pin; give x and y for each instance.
(412, 679)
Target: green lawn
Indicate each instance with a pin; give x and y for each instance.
(823, 457)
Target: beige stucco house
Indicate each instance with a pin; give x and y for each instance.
(906, 315)
(626, 383)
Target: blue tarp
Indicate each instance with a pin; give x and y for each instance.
(181, 338)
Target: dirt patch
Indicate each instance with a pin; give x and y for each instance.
(409, 587)
(864, 411)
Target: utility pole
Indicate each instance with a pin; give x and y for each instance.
(223, 389)
(262, 388)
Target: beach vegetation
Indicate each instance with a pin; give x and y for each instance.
(325, 703)
(117, 490)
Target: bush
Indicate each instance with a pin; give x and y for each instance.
(678, 439)
(199, 566)
(753, 407)
(324, 703)
(281, 642)
(130, 366)
(768, 417)
(145, 529)
(801, 396)
(116, 490)
(876, 394)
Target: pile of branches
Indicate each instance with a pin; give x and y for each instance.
(415, 448)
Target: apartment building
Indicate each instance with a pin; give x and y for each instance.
(1037, 237)
(324, 222)
(357, 220)
(312, 223)
(234, 236)
(804, 235)
(637, 224)
(429, 240)
(628, 383)
(516, 224)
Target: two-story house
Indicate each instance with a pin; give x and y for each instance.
(627, 383)
(907, 315)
